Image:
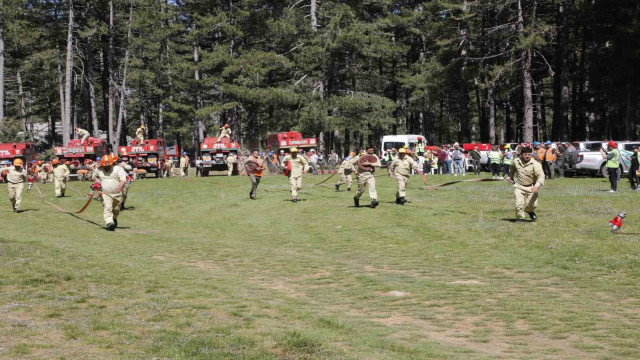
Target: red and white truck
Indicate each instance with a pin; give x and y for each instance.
(215, 154)
(149, 155)
(287, 140)
(76, 150)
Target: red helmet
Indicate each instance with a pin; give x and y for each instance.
(419, 137)
(613, 144)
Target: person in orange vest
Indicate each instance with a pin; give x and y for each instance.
(550, 156)
(539, 152)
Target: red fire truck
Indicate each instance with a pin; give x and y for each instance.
(287, 140)
(79, 152)
(149, 156)
(12, 151)
(214, 154)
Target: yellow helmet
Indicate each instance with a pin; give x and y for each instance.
(294, 150)
(141, 126)
(405, 147)
(507, 146)
(402, 151)
(17, 162)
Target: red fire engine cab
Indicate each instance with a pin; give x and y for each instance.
(76, 151)
(287, 140)
(12, 151)
(149, 155)
(214, 154)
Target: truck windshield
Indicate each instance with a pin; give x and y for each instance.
(393, 145)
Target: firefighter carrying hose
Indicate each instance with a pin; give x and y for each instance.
(111, 180)
(16, 177)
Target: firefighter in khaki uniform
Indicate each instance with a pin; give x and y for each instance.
(527, 177)
(299, 167)
(184, 165)
(60, 176)
(256, 175)
(16, 176)
(400, 169)
(124, 164)
(111, 180)
(84, 133)
(345, 170)
(140, 135)
(225, 132)
(231, 159)
(365, 177)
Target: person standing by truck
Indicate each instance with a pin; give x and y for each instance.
(225, 132)
(231, 159)
(16, 176)
(474, 158)
(612, 155)
(140, 135)
(495, 158)
(633, 170)
(184, 165)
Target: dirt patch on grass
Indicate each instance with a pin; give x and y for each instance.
(481, 334)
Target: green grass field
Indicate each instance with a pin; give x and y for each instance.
(198, 271)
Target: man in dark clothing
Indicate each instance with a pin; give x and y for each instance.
(563, 156)
(633, 170)
(474, 157)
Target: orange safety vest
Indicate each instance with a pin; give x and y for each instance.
(550, 155)
(541, 153)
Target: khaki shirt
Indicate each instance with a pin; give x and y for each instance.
(231, 160)
(15, 176)
(184, 162)
(111, 179)
(61, 172)
(526, 174)
(346, 168)
(299, 165)
(140, 132)
(354, 161)
(225, 131)
(403, 166)
(83, 133)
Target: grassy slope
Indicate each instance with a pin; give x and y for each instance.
(198, 271)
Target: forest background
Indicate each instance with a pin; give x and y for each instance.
(344, 71)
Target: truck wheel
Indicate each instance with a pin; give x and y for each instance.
(205, 172)
(603, 170)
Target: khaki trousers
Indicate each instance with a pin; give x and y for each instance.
(402, 185)
(15, 194)
(60, 186)
(345, 179)
(296, 184)
(525, 200)
(229, 169)
(111, 204)
(43, 177)
(365, 179)
(184, 172)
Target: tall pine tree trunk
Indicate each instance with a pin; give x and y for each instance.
(200, 127)
(93, 113)
(527, 135)
(561, 92)
(312, 14)
(66, 122)
(111, 77)
(1, 72)
(21, 103)
(490, 110)
(61, 91)
(123, 87)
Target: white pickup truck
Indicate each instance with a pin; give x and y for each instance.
(593, 163)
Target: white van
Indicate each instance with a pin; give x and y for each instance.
(398, 141)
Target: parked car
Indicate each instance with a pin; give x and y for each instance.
(592, 162)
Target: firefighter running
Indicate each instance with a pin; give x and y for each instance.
(366, 178)
(345, 170)
(16, 176)
(299, 167)
(256, 174)
(111, 180)
(527, 177)
(60, 177)
(400, 169)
